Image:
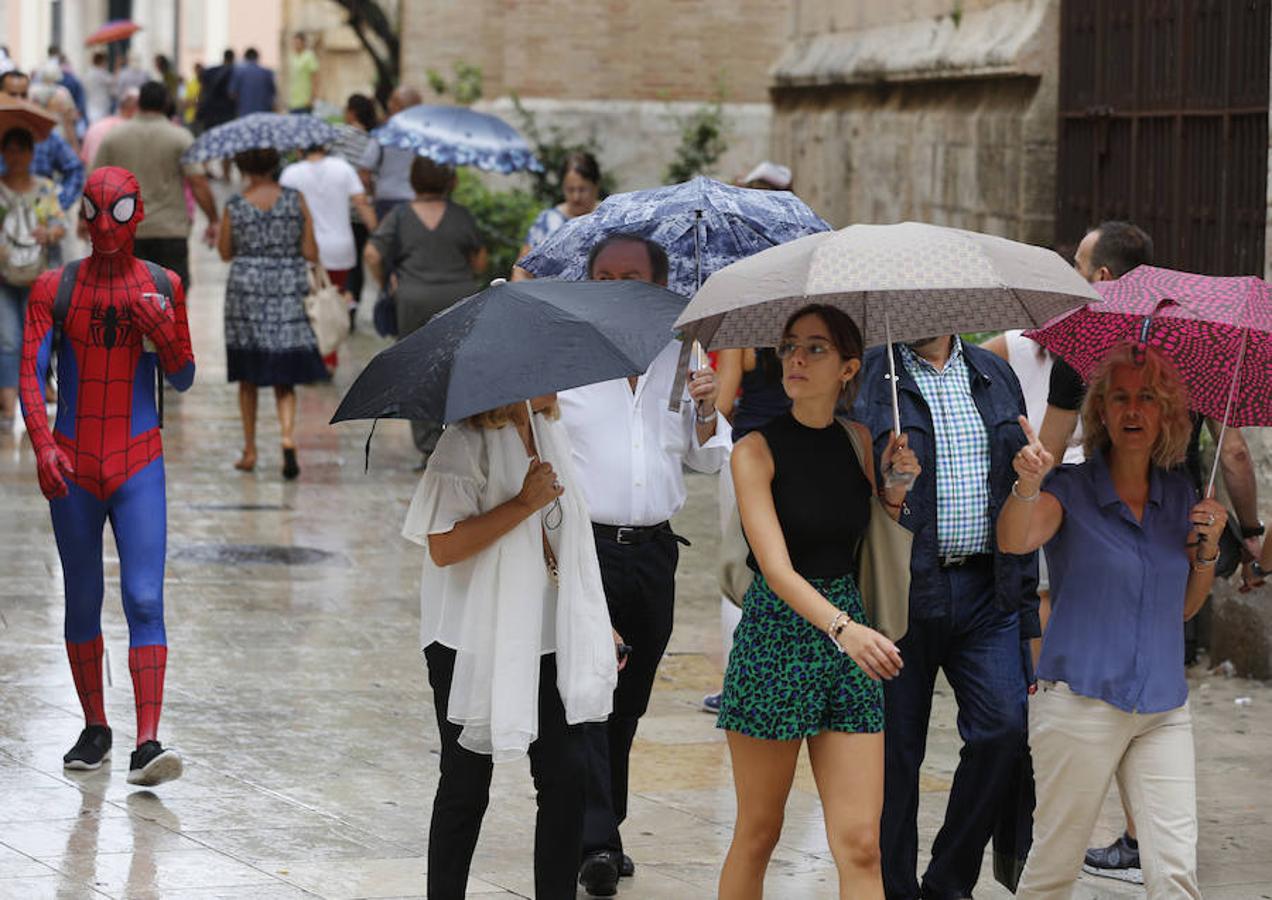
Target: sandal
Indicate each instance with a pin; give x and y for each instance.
(246, 462)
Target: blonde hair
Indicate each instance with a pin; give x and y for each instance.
(1161, 376)
(502, 415)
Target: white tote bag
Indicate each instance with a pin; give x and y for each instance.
(327, 310)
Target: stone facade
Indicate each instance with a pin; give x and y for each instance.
(627, 72)
(936, 110)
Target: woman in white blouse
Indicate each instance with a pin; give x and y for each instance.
(503, 525)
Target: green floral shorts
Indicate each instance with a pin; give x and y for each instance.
(786, 680)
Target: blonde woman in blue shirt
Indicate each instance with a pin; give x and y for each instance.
(1132, 556)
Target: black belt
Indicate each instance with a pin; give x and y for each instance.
(637, 534)
(973, 559)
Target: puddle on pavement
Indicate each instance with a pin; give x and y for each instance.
(256, 554)
(239, 507)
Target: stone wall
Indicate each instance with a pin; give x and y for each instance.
(628, 73)
(939, 111)
(601, 50)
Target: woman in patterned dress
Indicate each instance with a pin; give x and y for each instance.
(806, 665)
(581, 185)
(267, 236)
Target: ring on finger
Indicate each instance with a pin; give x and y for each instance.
(1210, 519)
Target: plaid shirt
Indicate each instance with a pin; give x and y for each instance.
(962, 453)
(55, 159)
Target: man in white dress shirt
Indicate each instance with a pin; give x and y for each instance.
(630, 451)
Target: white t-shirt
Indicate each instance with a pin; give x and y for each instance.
(327, 184)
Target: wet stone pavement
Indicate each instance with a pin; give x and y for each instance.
(297, 695)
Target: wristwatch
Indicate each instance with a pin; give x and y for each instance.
(1252, 531)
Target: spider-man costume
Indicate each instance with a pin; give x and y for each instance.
(103, 458)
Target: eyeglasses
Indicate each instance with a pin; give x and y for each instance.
(812, 351)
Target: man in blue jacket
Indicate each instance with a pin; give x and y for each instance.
(970, 606)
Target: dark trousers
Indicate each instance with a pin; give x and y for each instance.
(640, 588)
(171, 253)
(463, 791)
(356, 277)
(979, 647)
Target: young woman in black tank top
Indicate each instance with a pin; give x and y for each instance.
(805, 663)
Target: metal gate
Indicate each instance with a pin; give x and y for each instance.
(1164, 122)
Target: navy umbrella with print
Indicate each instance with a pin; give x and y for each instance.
(512, 342)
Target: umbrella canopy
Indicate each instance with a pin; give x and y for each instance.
(18, 113)
(114, 30)
(459, 136)
(261, 131)
(512, 342)
(703, 225)
(929, 280)
(1217, 330)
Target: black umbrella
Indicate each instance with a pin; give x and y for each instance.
(515, 341)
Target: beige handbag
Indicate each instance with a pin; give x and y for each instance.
(734, 576)
(883, 571)
(327, 310)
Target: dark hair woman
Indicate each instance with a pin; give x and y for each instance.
(581, 186)
(267, 236)
(434, 250)
(806, 664)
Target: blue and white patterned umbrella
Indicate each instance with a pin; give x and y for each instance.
(459, 136)
(261, 131)
(703, 225)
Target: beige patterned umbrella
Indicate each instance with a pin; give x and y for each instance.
(930, 280)
(898, 282)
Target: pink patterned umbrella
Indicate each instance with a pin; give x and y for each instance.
(1217, 330)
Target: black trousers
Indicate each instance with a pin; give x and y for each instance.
(556, 759)
(171, 253)
(640, 588)
(979, 648)
(357, 277)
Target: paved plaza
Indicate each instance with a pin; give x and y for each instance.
(297, 694)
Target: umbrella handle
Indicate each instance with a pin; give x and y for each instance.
(1227, 413)
(892, 478)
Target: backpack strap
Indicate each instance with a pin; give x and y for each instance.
(65, 287)
(159, 275)
(163, 284)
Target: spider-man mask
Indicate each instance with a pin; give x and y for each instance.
(112, 208)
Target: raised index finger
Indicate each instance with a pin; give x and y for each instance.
(1030, 437)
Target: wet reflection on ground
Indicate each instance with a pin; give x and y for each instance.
(297, 694)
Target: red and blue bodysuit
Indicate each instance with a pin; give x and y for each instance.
(102, 460)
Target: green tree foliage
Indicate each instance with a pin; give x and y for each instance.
(502, 218)
(465, 87)
(703, 141)
(552, 145)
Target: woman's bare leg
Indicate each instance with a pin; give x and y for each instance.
(247, 412)
(848, 769)
(285, 400)
(762, 775)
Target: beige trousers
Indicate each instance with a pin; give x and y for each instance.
(1079, 745)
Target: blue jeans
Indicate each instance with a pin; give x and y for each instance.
(978, 645)
(12, 309)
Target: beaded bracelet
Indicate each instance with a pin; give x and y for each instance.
(836, 628)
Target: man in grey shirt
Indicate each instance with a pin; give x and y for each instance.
(386, 171)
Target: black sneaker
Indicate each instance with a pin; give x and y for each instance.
(1119, 860)
(599, 874)
(91, 750)
(151, 764)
